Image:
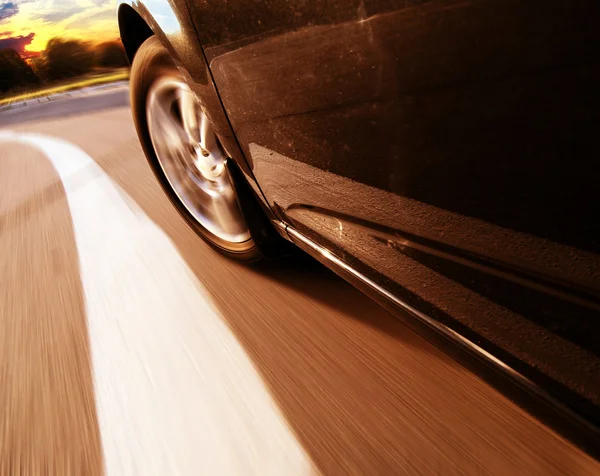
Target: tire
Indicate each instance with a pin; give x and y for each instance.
(217, 220)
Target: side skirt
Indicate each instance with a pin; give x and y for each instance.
(528, 395)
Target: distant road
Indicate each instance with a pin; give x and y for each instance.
(128, 346)
(72, 102)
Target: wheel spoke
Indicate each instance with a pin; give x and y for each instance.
(208, 140)
(189, 117)
(164, 120)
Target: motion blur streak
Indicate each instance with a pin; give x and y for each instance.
(175, 392)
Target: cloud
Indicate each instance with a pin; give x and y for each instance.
(5, 33)
(55, 17)
(17, 43)
(88, 21)
(8, 9)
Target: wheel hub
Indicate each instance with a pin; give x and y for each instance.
(192, 159)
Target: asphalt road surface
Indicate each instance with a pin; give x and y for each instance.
(128, 346)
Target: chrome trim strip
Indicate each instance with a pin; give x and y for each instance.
(281, 228)
(441, 328)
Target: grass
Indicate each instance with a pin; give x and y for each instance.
(76, 84)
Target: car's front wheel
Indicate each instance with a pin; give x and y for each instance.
(184, 152)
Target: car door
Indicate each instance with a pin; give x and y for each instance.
(444, 148)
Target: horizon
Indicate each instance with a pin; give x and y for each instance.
(27, 25)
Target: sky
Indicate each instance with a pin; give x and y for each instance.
(27, 25)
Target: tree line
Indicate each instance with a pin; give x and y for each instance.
(61, 59)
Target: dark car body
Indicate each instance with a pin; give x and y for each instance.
(441, 154)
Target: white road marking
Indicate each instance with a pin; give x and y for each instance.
(175, 392)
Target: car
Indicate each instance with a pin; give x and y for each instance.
(439, 154)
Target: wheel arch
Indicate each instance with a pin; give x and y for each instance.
(171, 24)
(133, 30)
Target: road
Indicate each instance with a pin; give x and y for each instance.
(128, 346)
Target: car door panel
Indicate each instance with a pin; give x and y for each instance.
(445, 148)
(429, 101)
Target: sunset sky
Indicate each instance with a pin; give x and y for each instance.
(27, 25)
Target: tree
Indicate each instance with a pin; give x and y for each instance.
(14, 71)
(111, 54)
(67, 58)
(40, 68)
